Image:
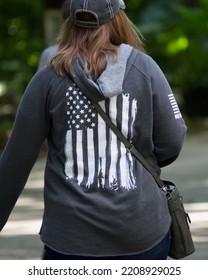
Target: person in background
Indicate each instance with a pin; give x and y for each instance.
(50, 51)
(99, 201)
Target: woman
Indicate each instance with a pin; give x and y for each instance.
(100, 202)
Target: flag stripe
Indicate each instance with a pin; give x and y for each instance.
(68, 152)
(124, 162)
(102, 149)
(79, 154)
(108, 141)
(91, 157)
(85, 157)
(113, 143)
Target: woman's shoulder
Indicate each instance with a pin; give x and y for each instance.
(47, 74)
(145, 63)
(143, 56)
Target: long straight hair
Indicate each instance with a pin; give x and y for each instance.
(92, 45)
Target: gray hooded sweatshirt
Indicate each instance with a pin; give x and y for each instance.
(98, 199)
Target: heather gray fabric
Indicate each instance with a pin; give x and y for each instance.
(104, 83)
(99, 200)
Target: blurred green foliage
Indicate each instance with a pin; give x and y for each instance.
(175, 35)
(21, 41)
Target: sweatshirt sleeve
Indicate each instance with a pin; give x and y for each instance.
(169, 129)
(30, 129)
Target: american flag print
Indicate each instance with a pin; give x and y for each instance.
(174, 106)
(94, 155)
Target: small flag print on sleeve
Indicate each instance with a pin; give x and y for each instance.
(175, 107)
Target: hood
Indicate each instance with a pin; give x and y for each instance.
(110, 82)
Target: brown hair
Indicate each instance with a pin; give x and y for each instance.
(92, 45)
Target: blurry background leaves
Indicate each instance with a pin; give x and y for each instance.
(175, 35)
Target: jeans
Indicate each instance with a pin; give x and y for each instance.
(159, 252)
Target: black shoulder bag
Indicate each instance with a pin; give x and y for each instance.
(181, 239)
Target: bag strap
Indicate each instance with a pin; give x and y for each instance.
(130, 147)
(80, 81)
